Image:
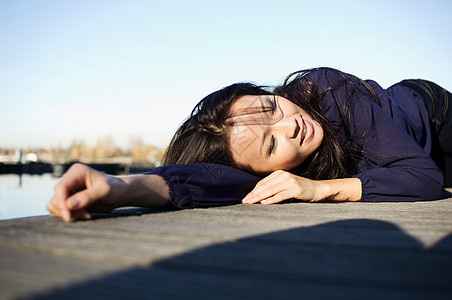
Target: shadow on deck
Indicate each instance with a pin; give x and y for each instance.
(346, 259)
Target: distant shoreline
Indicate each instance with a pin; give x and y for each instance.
(57, 170)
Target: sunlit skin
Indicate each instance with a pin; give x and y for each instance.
(268, 147)
(274, 141)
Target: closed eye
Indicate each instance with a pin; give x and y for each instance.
(271, 148)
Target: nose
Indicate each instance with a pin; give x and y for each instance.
(289, 127)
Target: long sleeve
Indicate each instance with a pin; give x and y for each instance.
(393, 167)
(205, 185)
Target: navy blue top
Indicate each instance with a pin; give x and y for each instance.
(394, 138)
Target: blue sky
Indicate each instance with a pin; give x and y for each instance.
(87, 69)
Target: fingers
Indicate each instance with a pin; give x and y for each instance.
(52, 210)
(57, 209)
(282, 185)
(80, 215)
(73, 181)
(281, 196)
(87, 197)
(271, 189)
(68, 216)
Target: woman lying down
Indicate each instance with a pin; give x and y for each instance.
(323, 135)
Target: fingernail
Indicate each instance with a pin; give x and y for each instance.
(73, 202)
(65, 215)
(249, 200)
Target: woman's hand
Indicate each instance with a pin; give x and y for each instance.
(82, 189)
(282, 185)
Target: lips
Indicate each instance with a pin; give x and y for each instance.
(305, 131)
(303, 134)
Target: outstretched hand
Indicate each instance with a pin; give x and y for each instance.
(282, 185)
(82, 189)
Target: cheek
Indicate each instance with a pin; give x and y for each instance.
(288, 158)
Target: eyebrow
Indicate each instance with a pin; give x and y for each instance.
(269, 99)
(264, 98)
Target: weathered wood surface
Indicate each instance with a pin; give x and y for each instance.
(294, 251)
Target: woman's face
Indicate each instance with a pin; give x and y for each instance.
(266, 140)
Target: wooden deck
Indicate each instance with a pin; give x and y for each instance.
(293, 251)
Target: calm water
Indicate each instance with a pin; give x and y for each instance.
(25, 195)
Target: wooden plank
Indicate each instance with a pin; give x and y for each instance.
(347, 250)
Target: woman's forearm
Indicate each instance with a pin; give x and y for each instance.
(82, 190)
(344, 189)
(145, 191)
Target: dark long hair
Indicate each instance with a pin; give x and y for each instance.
(336, 157)
(204, 136)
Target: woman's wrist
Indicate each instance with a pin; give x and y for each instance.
(343, 189)
(145, 191)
